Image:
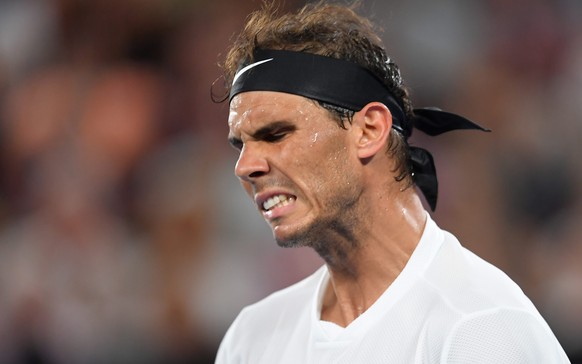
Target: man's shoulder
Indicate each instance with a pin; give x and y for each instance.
(483, 313)
(470, 283)
(289, 300)
(262, 330)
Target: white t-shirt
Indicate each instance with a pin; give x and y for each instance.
(446, 306)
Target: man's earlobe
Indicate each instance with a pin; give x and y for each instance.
(374, 122)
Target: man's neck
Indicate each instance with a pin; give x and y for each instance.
(382, 254)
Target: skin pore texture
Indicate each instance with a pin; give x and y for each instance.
(328, 188)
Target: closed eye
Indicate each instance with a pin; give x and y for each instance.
(276, 136)
(235, 143)
(271, 133)
(274, 132)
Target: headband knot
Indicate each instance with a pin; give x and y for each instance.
(348, 85)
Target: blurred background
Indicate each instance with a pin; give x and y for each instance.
(126, 238)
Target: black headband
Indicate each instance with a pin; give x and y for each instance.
(321, 78)
(348, 85)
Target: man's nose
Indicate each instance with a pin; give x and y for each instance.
(251, 163)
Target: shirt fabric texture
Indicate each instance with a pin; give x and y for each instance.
(446, 306)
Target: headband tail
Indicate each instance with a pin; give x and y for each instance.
(433, 121)
(425, 174)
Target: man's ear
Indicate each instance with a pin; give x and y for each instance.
(373, 124)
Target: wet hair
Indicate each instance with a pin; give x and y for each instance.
(330, 30)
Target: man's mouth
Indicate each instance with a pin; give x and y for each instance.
(277, 201)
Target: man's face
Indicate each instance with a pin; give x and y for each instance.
(296, 163)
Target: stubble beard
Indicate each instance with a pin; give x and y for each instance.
(333, 236)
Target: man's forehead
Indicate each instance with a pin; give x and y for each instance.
(252, 99)
(260, 105)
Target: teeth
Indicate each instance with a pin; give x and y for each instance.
(276, 201)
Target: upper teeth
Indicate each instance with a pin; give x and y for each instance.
(281, 200)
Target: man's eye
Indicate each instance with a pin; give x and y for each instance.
(236, 144)
(276, 136)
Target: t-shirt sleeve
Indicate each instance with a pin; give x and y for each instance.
(502, 336)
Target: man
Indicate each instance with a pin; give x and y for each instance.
(321, 120)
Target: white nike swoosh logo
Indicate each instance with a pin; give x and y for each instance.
(246, 68)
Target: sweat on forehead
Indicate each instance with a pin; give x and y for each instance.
(270, 105)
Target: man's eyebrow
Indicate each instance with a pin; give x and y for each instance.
(263, 132)
(271, 128)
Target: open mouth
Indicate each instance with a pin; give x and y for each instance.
(277, 201)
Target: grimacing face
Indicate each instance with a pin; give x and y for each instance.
(297, 164)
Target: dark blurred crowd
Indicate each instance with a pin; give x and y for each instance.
(124, 235)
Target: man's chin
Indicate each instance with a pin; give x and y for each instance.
(305, 235)
(296, 240)
(288, 243)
